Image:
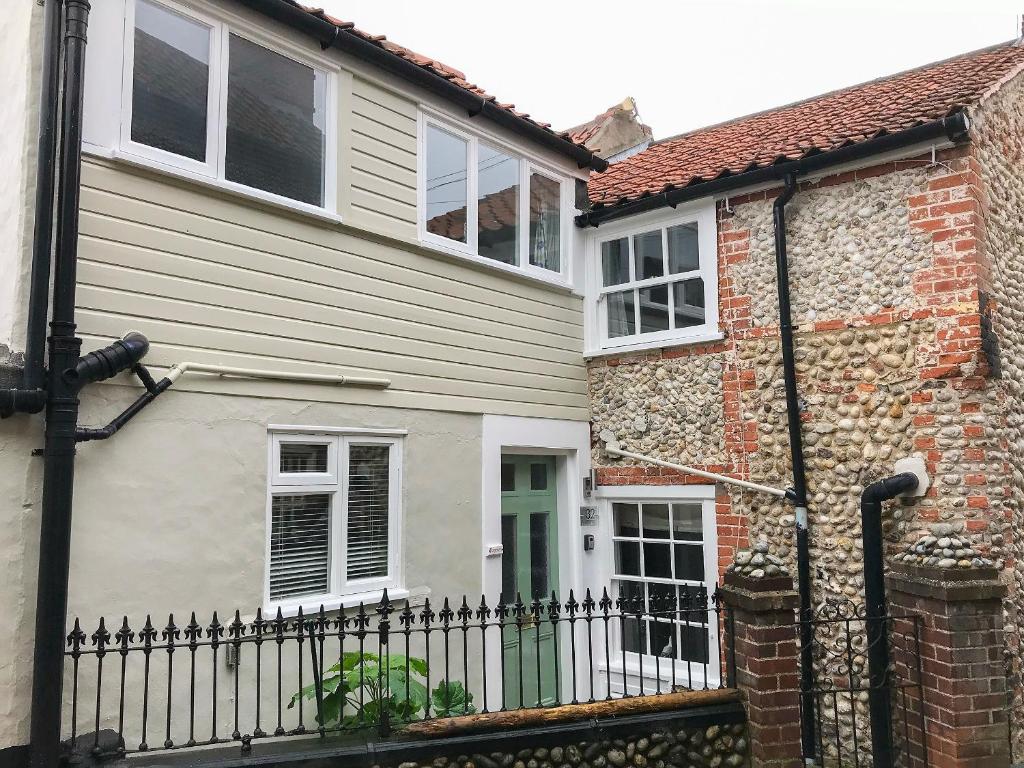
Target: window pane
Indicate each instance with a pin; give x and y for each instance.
(689, 562)
(634, 636)
(446, 184)
(277, 116)
(303, 457)
(621, 314)
(662, 599)
(663, 638)
(656, 521)
(170, 82)
(630, 596)
(683, 255)
(508, 477)
(539, 556)
(615, 261)
(689, 303)
(538, 477)
(498, 205)
(647, 255)
(693, 645)
(657, 561)
(686, 522)
(508, 559)
(299, 545)
(626, 519)
(627, 558)
(545, 222)
(654, 309)
(368, 501)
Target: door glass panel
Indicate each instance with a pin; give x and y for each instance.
(689, 562)
(657, 561)
(621, 314)
(626, 517)
(539, 555)
(446, 184)
(654, 309)
(627, 558)
(686, 522)
(683, 255)
(497, 205)
(538, 477)
(170, 82)
(689, 303)
(615, 262)
(647, 255)
(656, 521)
(508, 477)
(508, 559)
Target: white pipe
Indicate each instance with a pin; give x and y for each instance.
(257, 373)
(698, 472)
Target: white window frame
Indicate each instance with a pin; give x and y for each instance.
(527, 166)
(701, 213)
(342, 590)
(645, 667)
(212, 170)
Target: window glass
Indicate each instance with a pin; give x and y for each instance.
(170, 81)
(497, 205)
(656, 521)
(621, 314)
(686, 522)
(508, 477)
(299, 545)
(538, 477)
(368, 507)
(689, 303)
(615, 262)
(683, 254)
(303, 457)
(647, 255)
(545, 222)
(539, 554)
(654, 309)
(626, 519)
(276, 122)
(446, 184)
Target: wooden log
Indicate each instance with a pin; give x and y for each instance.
(523, 718)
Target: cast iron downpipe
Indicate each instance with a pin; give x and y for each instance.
(796, 449)
(879, 703)
(64, 381)
(30, 397)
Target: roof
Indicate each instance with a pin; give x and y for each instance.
(434, 66)
(819, 124)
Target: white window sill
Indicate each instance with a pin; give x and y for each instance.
(219, 185)
(695, 679)
(532, 274)
(311, 605)
(641, 346)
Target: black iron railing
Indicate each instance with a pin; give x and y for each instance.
(381, 667)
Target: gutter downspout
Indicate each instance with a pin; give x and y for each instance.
(30, 397)
(796, 449)
(61, 412)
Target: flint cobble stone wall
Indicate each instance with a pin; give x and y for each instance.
(887, 282)
(999, 127)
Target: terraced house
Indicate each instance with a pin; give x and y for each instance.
(380, 371)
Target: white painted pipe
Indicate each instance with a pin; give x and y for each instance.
(698, 472)
(258, 373)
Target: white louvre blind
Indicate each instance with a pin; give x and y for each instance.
(368, 510)
(300, 545)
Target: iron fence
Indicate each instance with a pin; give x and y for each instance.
(841, 640)
(381, 667)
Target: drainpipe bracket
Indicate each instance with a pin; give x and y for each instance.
(913, 465)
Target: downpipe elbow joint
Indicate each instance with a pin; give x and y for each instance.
(101, 364)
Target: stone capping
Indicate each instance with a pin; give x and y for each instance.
(946, 584)
(759, 595)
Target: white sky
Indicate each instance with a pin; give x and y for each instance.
(687, 63)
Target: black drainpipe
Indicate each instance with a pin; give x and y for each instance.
(61, 412)
(879, 704)
(796, 449)
(30, 397)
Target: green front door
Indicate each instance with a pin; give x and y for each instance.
(529, 570)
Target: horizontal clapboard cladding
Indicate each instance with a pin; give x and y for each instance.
(212, 279)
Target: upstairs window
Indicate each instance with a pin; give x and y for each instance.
(656, 284)
(490, 204)
(203, 98)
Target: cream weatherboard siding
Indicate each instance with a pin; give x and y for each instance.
(215, 278)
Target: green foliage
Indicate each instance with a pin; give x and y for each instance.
(362, 687)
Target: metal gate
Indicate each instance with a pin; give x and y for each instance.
(836, 710)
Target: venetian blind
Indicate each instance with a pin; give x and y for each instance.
(368, 495)
(299, 545)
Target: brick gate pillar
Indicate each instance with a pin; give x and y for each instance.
(761, 643)
(963, 677)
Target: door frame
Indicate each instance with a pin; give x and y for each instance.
(569, 442)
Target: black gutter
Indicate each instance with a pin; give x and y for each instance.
(61, 412)
(879, 703)
(796, 452)
(332, 36)
(30, 397)
(953, 127)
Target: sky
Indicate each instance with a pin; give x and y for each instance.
(688, 63)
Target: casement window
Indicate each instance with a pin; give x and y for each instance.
(655, 283)
(663, 548)
(490, 204)
(334, 518)
(212, 101)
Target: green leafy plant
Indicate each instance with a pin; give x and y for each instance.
(361, 687)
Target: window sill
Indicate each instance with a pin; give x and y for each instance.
(533, 275)
(694, 679)
(219, 185)
(331, 603)
(640, 346)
